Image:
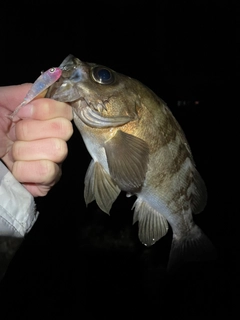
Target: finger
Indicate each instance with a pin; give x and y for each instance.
(28, 129)
(52, 149)
(43, 172)
(38, 189)
(44, 109)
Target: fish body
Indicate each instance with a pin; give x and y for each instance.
(43, 82)
(137, 146)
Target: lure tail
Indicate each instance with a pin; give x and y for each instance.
(23, 103)
(12, 115)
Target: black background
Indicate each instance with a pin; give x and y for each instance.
(79, 261)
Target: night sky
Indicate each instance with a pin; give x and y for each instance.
(78, 260)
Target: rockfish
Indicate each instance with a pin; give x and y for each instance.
(137, 146)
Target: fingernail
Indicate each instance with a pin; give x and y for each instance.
(26, 111)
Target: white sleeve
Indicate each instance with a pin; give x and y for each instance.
(17, 206)
(17, 216)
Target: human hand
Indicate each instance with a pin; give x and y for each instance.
(34, 146)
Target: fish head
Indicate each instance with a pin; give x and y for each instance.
(100, 97)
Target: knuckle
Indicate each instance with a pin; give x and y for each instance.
(69, 112)
(22, 130)
(53, 173)
(62, 127)
(16, 170)
(45, 107)
(16, 150)
(68, 130)
(46, 170)
(43, 172)
(42, 108)
(59, 150)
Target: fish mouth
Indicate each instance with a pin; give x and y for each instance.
(89, 111)
(68, 63)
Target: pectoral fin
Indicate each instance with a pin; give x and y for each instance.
(100, 187)
(127, 158)
(152, 226)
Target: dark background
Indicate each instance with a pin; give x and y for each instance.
(79, 261)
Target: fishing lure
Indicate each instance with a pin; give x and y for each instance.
(45, 80)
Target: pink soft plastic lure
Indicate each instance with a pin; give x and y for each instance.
(45, 80)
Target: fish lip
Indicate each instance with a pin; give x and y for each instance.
(68, 63)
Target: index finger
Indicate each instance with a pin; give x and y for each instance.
(45, 109)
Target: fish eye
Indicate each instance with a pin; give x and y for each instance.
(102, 75)
(52, 70)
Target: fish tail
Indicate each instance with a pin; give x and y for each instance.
(195, 246)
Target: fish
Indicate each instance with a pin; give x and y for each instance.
(43, 82)
(137, 147)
